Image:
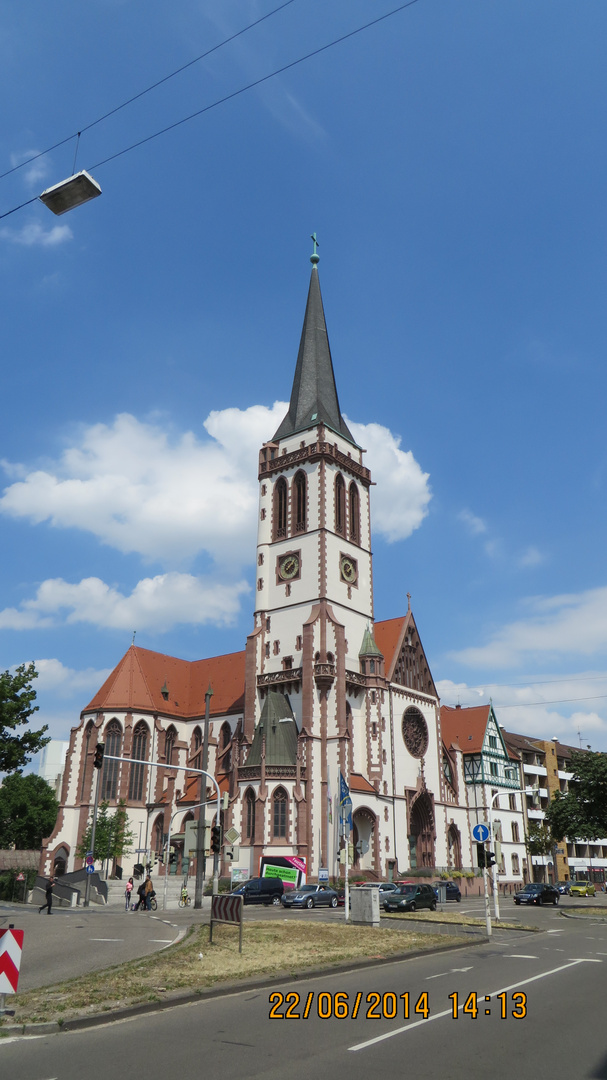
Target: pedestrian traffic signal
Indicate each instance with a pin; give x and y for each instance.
(216, 839)
(99, 752)
(480, 856)
(490, 859)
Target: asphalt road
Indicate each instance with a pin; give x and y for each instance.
(560, 1030)
(73, 942)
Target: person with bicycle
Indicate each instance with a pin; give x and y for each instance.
(184, 899)
(149, 893)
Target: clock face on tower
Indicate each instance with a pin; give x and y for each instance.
(349, 569)
(289, 566)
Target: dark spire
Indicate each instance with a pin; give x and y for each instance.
(314, 395)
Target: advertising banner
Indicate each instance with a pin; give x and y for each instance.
(289, 868)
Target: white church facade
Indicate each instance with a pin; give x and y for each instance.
(320, 689)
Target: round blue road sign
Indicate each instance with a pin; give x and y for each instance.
(480, 833)
(90, 869)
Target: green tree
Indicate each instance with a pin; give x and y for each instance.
(28, 811)
(582, 811)
(541, 840)
(16, 707)
(113, 838)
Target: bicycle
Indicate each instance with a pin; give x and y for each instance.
(184, 899)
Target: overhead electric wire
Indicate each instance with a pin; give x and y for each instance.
(142, 93)
(256, 82)
(214, 104)
(529, 704)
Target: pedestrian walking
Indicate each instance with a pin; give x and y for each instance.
(140, 905)
(149, 890)
(48, 903)
(128, 893)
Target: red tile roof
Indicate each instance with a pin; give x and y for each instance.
(466, 727)
(389, 636)
(137, 681)
(358, 782)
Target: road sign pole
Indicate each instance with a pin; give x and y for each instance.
(487, 911)
(87, 890)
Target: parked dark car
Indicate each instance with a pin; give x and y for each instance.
(260, 890)
(453, 891)
(536, 893)
(310, 896)
(410, 897)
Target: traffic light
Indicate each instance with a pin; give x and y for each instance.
(216, 839)
(480, 856)
(99, 752)
(490, 859)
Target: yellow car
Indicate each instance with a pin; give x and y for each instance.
(581, 888)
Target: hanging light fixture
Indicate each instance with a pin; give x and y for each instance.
(68, 194)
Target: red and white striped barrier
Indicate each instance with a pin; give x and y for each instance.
(227, 909)
(11, 947)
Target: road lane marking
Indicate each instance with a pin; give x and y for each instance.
(442, 973)
(588, 960)
(106, 939)
(162, 940)
(449, 1012)
(555, 931)
(520, 956)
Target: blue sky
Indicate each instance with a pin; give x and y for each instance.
(452, 161)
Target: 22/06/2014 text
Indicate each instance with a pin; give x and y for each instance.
(389, 1006)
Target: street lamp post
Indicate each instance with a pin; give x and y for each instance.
(516, 791)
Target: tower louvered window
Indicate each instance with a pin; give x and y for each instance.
(250, 823)
(280, 508)
(300, 502)
(354, 509)
(340, 506)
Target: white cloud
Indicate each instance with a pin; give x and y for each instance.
(35, 172)
(34, 235)
(400, 500)
(574, 624)
(161, 603)
(565, 707)
(139, 489)
(474, 524)
(55, 677)
(531, 557)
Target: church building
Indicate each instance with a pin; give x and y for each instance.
(320, 689)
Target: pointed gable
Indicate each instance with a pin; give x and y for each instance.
(465, 728)
(406, 662)
(314, 395)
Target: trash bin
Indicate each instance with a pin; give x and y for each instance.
(118, 873)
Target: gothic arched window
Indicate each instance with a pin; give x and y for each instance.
(196, 753)
(109, 778)
(279, 814)
(169, 744)
(354, 514)
(139, 752)
(250, 815)
(87, 742)
(280, 508)
(300, 502)
(225, 737)
(158, 834)
(340, 505)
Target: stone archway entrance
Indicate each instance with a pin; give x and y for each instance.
(363, 830)
(421, 832)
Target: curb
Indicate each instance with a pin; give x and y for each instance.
(80, 1023)
(584, 918)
